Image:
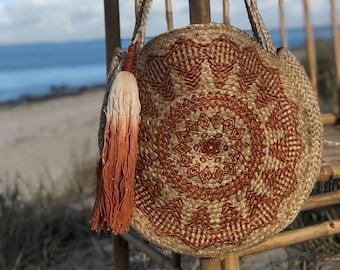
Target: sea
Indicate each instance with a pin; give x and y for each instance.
(38, 71)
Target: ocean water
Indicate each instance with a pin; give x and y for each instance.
(34, 71)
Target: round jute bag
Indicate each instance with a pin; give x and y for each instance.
(230, 138)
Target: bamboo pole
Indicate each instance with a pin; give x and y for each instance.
(112, 29)
(199, 11)
(136, 7)
(231, 262)
(330, 119)
(112, 40)
(322, 200)
(226, 15)
(120, 253)
(176, 259)
(211, 264)
(283, 24)
(168, 14)
(310, 46)
(296, 236)
(329, 172)
(336, 38)
(158, 257)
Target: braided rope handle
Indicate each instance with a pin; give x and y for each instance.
(258, 26)
(141, 22)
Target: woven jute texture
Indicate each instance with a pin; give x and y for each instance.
(230, 140)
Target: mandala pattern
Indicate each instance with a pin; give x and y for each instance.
(236, 148)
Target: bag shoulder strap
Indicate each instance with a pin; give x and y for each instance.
(258, 26)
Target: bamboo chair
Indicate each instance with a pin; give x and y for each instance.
(330, 172)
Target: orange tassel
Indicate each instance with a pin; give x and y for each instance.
(116, 167)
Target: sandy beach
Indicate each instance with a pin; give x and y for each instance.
(41, 140)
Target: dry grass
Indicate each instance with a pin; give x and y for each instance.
(37, 235)
(40, 232)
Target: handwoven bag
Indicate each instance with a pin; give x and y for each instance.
(230, 138)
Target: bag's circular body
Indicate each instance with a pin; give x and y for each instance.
(229, 143)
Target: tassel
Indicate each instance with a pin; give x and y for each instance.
(116, 167)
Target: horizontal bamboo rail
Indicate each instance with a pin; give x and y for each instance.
(322, 200)
(330, 119)
(329, 172)
(296, 236)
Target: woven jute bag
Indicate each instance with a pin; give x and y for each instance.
(230, 138)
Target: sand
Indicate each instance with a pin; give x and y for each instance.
(41, 140)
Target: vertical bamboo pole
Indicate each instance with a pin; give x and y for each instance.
(283, 24)
(112, 29)
(226, 15)
(211, 264)
(112, 39)
(310, 46)
(336, 38)
(136, 6)
(120, 253)
(231, 262)
(176, 260)
(168, 14)
(199, 11)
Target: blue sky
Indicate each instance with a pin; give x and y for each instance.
(35, 21)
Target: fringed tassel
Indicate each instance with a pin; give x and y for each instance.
(116, 167)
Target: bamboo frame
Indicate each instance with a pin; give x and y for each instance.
(231, 262)
(329, 172)
(336, 38)
(176, 259)
(330, 119)
(226, 12)
(310, 46)
(283, 24)
(112, 40)
(158, 257)
(296, 236)
(199, 11)
(168, 15)
(210, 264)
(112, 29)
(322, 200)
(120, 253)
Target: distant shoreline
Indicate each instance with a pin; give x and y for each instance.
(47, 43)
(64, 90)
(56, 92)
